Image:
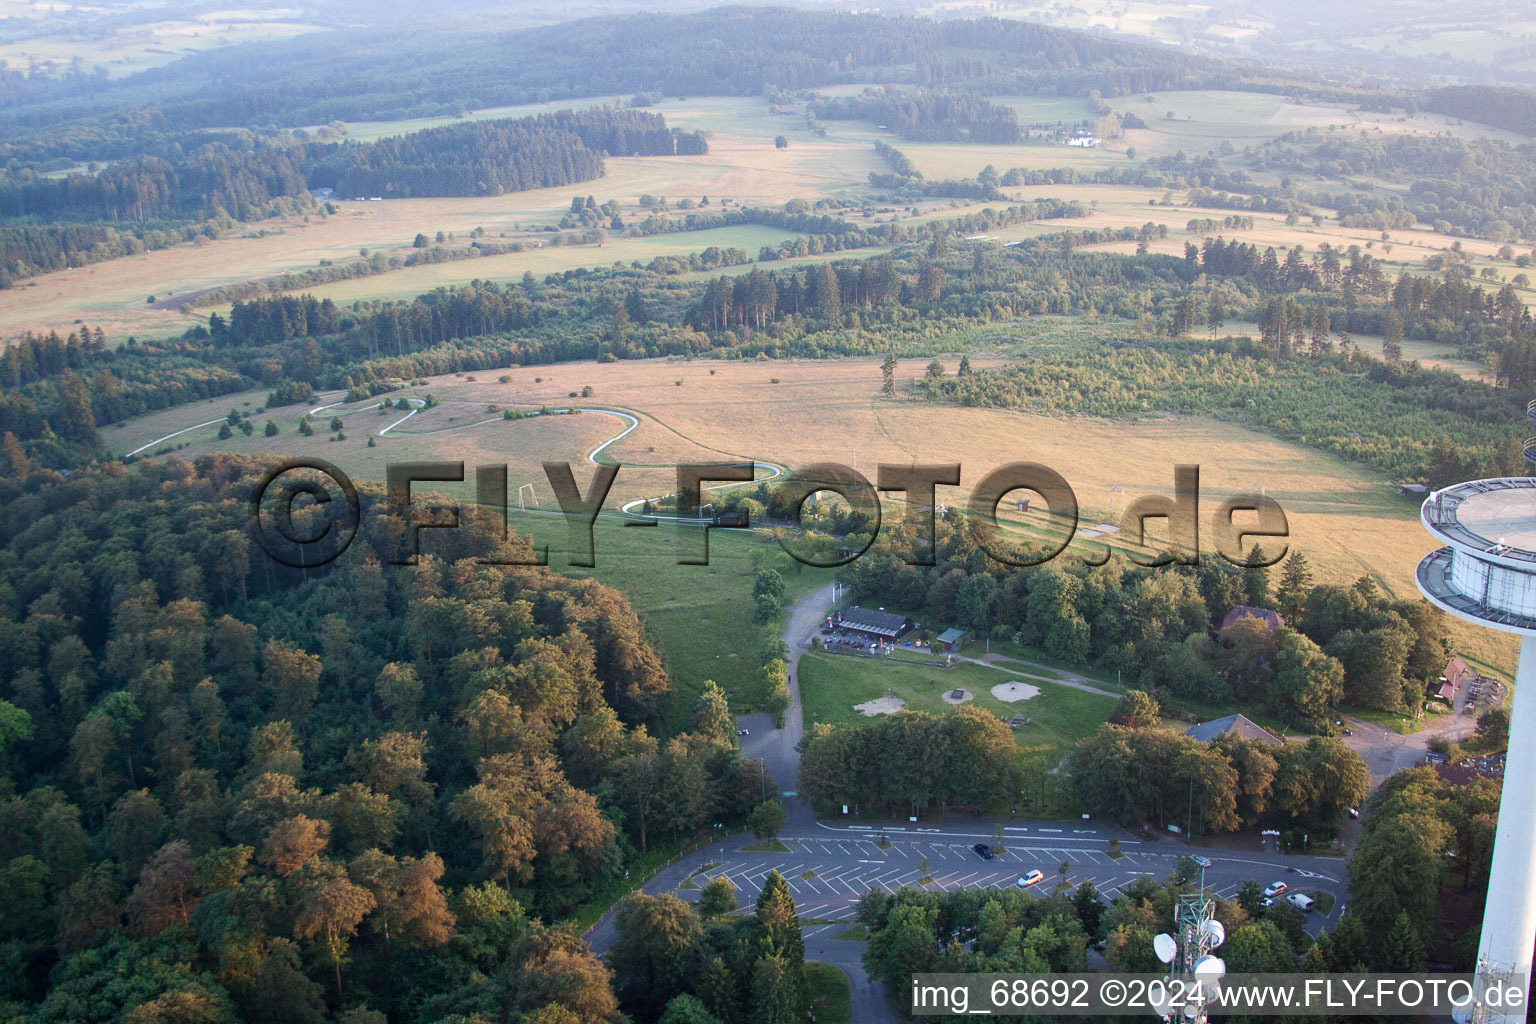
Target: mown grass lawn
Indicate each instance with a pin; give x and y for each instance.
(826, 994)
(698, 616)
(831, 684)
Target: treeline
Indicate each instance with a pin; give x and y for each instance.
(1399, 417)
(1480, 187)
(57, 390)
(1161, 629)
(487, 158)
(1421, 841)
(152, 201)
(141, 204)
(1408, 421)
(213, 180)
(271, 794)
(909, 762)
(433, 74)
(1501, 106)
(924, 115)
(1006, 931)
(1157, 775)
(29, 249)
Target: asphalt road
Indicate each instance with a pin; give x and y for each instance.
(829, 868)
(776, 747)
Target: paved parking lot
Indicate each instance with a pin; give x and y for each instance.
(827, 874)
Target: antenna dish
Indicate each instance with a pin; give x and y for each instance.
(1209, 968)
(1165, 947)
(1216, 931)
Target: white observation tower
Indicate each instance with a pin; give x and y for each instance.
(1486, 574)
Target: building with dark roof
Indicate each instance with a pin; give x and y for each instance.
(876, 625)
(1243, 611)
(949, 640)
(1235, 725)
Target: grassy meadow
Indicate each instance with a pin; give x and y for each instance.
(831, 684)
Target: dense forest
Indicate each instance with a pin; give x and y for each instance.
(925, 115)
(487, 158)
(240, 792)
(1485, 188)
(170, 196)
(321, 78)
(1503, 107)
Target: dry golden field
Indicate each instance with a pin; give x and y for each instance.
(744, 167)
(1349, 521)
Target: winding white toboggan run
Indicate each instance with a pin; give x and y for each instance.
(630, 420)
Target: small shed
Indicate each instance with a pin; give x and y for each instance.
(949, 640)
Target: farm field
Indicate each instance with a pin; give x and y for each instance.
(832, 684)
(1349, 521)
(124, 49)
(413, 281)
(743, 166)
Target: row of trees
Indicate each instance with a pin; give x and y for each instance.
(909, 762)
(488, 158)
(925, 115)
(1158, 775)
(1006, 931)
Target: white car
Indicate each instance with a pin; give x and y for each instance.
(1275, 889)
(1025, 881)
(1204, 862)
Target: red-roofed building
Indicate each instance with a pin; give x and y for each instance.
(1456, 671)
(1243, 611)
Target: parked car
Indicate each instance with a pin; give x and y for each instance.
(983, 851)
(1301, 901)
(741, 732)
(1204, 862)
(1274, 889)
(1354, 812)
(1025, 881)
(1267, 901)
